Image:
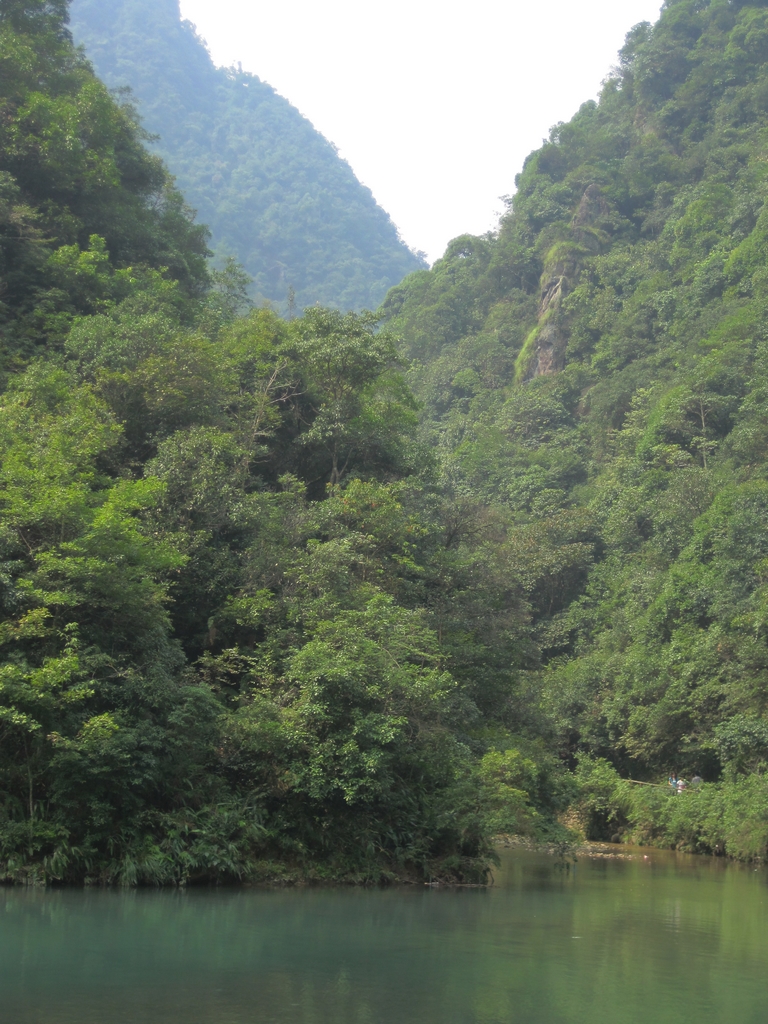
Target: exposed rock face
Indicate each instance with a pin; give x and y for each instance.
(556, 282)
(554, 288)
(550, 346)
(592, 209)
(560, 275)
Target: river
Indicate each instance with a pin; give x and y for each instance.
(645, 937)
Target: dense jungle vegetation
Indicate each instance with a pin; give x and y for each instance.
(338, 597)
(274, 193)
(594, 378)
(237, 637)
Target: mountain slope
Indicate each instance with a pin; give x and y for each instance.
(105, 196)
(272, 190)
(264, 614)
(225, 621)
(596, 373)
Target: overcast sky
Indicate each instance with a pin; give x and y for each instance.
(435, 105)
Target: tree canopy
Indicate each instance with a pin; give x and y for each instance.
(594, 371)
(81, 200)
(343, 597)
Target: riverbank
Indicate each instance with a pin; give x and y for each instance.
(160, 870)
(724, 819)
(577, 848)
(727, 819)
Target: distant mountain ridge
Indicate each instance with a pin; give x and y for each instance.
(272, 189)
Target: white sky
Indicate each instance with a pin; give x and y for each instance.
(434, 104)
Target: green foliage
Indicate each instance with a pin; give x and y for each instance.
(360, 409)
(227, 648)
(317, 598)
(203, 671)
(273, 191)
(619, 442)
(725, 818)
(70, 213)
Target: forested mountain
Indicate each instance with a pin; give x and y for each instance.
(325, 598)
(79, 194)
(228, 604)
(274, 192)
(595, 378)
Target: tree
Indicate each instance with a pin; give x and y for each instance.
(358, 406)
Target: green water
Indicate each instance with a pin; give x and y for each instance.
(659, 941)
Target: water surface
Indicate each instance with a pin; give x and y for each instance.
(663, 940)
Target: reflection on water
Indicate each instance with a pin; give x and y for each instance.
(663, 940)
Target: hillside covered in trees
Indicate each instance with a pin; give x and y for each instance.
(218, 544)
(595, 378)
(339, 598)
(274, 193)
